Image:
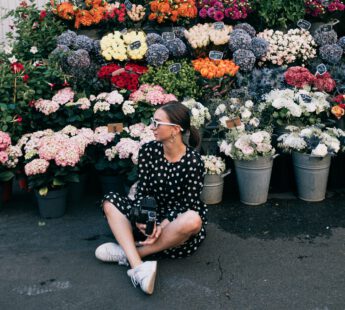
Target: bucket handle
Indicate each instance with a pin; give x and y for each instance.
(226, 173)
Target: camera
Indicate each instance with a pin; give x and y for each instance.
(145, 213)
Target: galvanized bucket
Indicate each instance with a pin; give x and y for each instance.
(311, 174)
(212, 192)
(253, 178)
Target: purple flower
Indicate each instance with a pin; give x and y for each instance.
(218, 16)
(203, 13)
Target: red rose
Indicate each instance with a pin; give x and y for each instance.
(18, 119)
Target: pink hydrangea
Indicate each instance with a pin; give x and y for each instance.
(169, 97)
(5, 140)
(127, 148)
(155, 97)
(64, 95)
(46, 106)
(50, 146)
(69, 155)
(3, 157)
(102, 135)
(37, 166)
(136, 130)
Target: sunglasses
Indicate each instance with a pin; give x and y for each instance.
(156, 124)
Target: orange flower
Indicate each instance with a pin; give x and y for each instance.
(152, 16)
(65, 10)
(215, 68)
(164, 7)
(154, 6)
(337, 111)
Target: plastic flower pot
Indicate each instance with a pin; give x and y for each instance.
(77, 190)
(52, 205)
(253, 178)
(311, 175)
(112, 183)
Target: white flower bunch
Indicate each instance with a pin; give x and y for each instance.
(286, 48)
(242, 145)
(201, 35)
(118, 46)
(105, 100)
(199, 113)
(290, 103)
(235, 108)
(311, 140)
(213, 164)
(128, 107)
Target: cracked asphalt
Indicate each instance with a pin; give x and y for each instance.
(286, 254)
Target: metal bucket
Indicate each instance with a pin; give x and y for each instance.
(311, 174)
(253, 178)
(212, 192)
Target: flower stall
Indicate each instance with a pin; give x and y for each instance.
(80, 81)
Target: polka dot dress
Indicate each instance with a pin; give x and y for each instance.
(175, 186)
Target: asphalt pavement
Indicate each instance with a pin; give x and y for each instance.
(285, 254)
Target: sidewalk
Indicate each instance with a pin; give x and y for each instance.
(287, 254)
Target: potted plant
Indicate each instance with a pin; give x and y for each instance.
(311, 149)
(9, 157)
(212, 192)
(253, 155)
(52, 161)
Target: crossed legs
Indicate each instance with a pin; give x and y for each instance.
(174, 234)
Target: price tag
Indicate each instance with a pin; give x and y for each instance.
(321, 69)
(233, 122)
(168, 36)
(124, 31)
(118, 71)
(135, 45)
(175, 68)
(326, 28)
(115, 127)
(215, 55)
(306, 98)
(218, 25)
(304, 24)
(128, 5)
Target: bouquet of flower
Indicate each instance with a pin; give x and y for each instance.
(107, 108)
(219, 10)
(90, 12)
(213, 164)
(118, 152)
(301, 77)
(295, 45)
(210, 69)
(53, 159)
(236, 113)
(136, 13)
(199, 113)
(145, 100)
(295, 106)
(320, 8)
(182, 84)
(115, 13)
(202, 35)
(311, 140)
(123, 46)
(172, 10)
(126, 77)
(9, 157)
(242, 145)
(338, 110)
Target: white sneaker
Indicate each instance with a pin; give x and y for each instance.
(111, 252)
(144, 275)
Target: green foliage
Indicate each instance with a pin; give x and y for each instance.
(32, 29)
(182, 84)
(280, 13)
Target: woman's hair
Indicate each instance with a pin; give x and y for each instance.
(180, 115)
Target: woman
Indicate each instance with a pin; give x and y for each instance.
(172, 173)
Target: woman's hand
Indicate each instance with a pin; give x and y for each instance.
(151, 239)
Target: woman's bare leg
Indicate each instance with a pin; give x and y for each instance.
(122, 230)
(174, 234)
